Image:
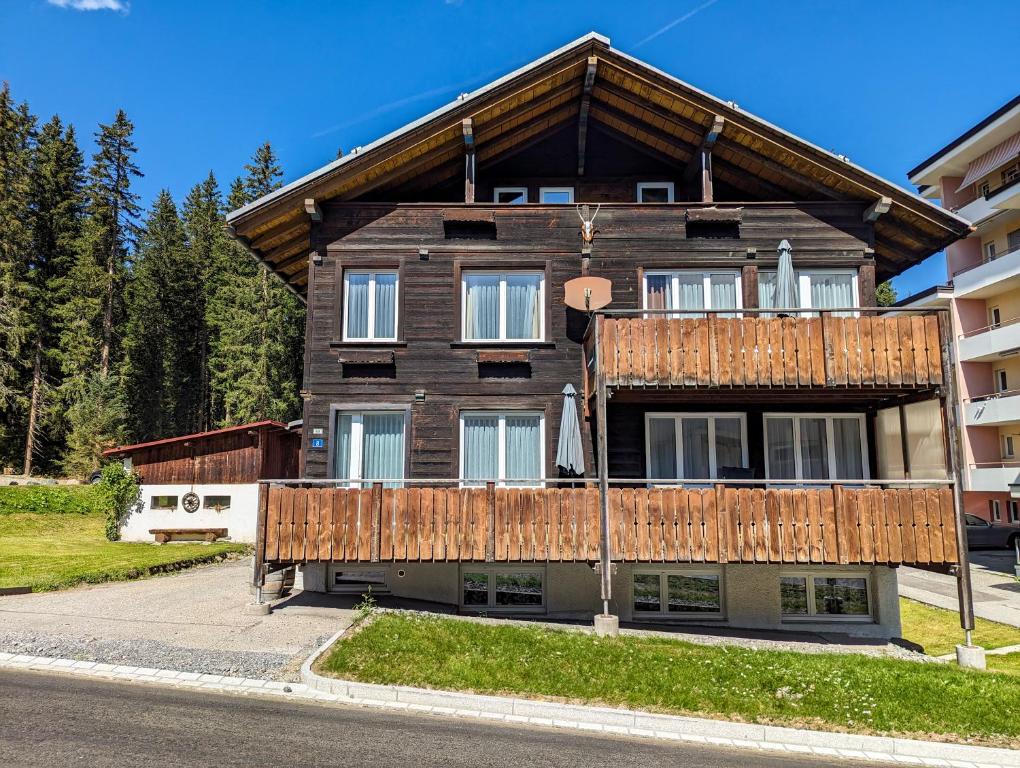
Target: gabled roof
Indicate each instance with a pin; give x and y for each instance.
(629, 99)
(255, 425)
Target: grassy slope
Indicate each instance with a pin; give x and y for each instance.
(54, 550)
(841, 692)
(938, 630)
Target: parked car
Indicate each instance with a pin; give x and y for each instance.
(983, 534)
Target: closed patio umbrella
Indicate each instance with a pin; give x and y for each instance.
(786, 279)
(570, 451)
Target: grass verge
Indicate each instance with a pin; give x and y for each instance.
(55, 551)
(829, 691)
(938, 630)
(1007, 662)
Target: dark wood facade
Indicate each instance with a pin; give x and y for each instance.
(245, 454)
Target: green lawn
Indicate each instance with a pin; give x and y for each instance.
(830, 691)
(1009, 662)
(55, 550)
(938, 630)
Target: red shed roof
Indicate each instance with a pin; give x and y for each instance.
(196, 436)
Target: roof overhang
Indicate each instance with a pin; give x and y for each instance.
(122, 450)
(628, 99)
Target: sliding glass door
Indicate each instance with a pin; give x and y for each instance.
(369, 446)
(694, 446)
(815, 447)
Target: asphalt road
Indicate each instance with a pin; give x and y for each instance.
(51, 720)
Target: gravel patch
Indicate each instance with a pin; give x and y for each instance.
(152, 653)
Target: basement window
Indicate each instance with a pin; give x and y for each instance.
(163, 502)
(218, 503)
(806, 595)
(513, 589)
(677, 593)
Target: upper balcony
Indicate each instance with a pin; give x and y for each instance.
(989, 277)
(993, 410)
(715, 350)
(989, 343)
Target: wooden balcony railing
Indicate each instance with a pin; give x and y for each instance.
(722, 524)
(893, 352)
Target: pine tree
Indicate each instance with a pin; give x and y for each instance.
(259, 325)
(96, 423)
(885, 294)
(57, 196)
(16, 137)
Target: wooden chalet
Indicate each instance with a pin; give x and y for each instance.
(756, 467)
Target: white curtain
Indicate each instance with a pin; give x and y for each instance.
(847, 438)
(662, 449)
(382, 452)
(888, 444)
(342, 461)
(814, 449)
(481, 447)
(832, 290)
(728, 445)
(522, 306)
(779, 442)
(357, 305)
(523, 448)
(766, 288)
(482, 310)
(386, 305)
(925, 442)
(724, 292)
(691, 292)
(694, 433)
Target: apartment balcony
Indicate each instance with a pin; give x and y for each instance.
(977, 211)
(861, 524)
(989, 343)
(993, 410)
(989, 278)
(718, 352)
(1004, 197)
(993, 477)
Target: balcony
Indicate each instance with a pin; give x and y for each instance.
(994, 477)
(988, 278)
(990, 343)
(993, 410)
(835, 524)
(660, 350)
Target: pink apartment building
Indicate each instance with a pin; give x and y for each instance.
(977, 175)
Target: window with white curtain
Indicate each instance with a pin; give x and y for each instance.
(370, 305)
(503, 306)
(816, 289)
(815, 446)
(686, 289)
(503, 446)
(694, 446)
(369, 445)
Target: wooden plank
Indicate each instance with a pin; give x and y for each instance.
(788, 545)
(661, 349)
(849, 522)
(690, 352)
(947, 510)
(642, 525)
(764, 354)
(426, 525)
(592, 506)
(933, 345)
(835, 334)
(919, 507)
(439, 523)
(791, 376)
(353, 519)
(506, 499)
(609, 348)
(722, 369)
(933, 515)
(628, 532)
(722, 511)
(906, 350)
(297, 542)
(694, 505)
(774, 526)
(704, 352)
(892, 342)
(676, 352)
(669, 526)
(273, 518)
(777, 369)
(749, 343)
(339, 523)
(760, 535)
(552, 512)
(865, 325)
(802, 529)
(650, 352)
(656, 534)
(325, 546)
(906, 514)
(816, 334)
(880, 351)
(683, 525)
(312, 524)
(803, 353)
(851, 327)
(893, 525)
(735, 328)
(919, 343)
(827, 518)
(865, 525)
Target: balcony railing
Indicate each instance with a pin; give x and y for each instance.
(670, 348)
(857, 522)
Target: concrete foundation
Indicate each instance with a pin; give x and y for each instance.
(607, 626)
(257, 609)
(971, 657)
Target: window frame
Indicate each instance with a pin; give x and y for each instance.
(983, 188)
(491, 571)
(372, 273)
(519, 190)
(1008, 448)
(995, 510)
(543, 190)
(502, 275)
(988, 251)
(669, 186)
(207, 505)
(1014, 511)
(830, 444)
(994, 316)
(664, 574)
(804, 285)
(163, 507)
(809, 576)
(706, 283)
(1000, 380)
(501, 445)
(357, 445)
(677, 417)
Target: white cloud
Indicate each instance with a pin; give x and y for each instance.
(93, 5)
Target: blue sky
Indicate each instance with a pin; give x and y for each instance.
(205, 81)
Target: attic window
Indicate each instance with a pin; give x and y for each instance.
(714, 223)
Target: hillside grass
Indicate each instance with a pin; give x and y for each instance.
(938, 631)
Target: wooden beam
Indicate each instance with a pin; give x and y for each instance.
(280, 234)
(877, 208)
(701, 163)
(467, 128)
(279, 255)
(582, 122)
(313, 210)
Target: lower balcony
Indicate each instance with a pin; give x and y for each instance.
(866, 524)
(995, 477)
(993, 410)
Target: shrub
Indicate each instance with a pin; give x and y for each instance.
(121, 496)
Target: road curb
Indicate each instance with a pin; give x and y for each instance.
(656, 726)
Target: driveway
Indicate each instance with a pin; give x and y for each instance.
(995, 587)
(193, 621)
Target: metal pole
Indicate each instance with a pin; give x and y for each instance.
(949, 402)
(605, 558)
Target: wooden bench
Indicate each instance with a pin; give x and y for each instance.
(163, 535)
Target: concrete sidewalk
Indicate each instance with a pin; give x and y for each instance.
(996, 589)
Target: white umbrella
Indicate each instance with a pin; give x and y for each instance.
(786, 279)
(570, 451)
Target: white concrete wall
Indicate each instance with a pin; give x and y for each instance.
(750, 593)
(240, 520)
